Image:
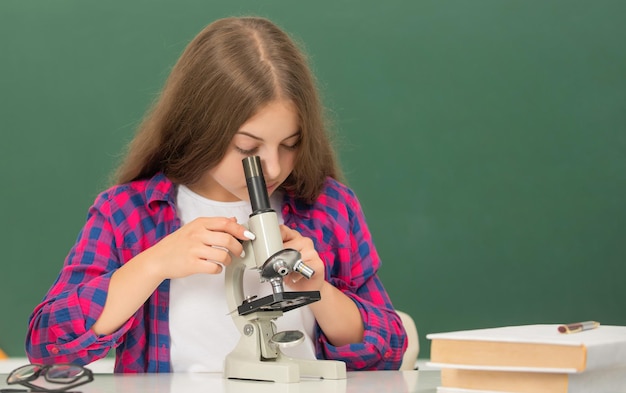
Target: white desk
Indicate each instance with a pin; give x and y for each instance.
(105, 365)
(357, 382)
(102, 366)
(424, 381)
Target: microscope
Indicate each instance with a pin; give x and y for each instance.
(258, 356)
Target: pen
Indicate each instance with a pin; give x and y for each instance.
(578, 327)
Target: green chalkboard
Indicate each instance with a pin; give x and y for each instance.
(485, 139)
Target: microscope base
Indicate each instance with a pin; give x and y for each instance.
(256, 357)
(282, 369)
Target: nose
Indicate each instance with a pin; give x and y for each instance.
(271, 166)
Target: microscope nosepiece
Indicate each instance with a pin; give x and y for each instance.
(281, 268)
(303, 269)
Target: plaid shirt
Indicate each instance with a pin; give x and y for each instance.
(127, 219)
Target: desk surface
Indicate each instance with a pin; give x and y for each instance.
(357, 382)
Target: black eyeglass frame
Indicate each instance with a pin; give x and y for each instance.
(42, 370)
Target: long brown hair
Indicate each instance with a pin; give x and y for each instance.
(229, 71)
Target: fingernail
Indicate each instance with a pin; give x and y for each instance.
(249, 235)
(243, 254)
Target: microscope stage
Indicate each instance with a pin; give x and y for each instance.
(283, 301)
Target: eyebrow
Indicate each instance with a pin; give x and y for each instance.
(297, 133)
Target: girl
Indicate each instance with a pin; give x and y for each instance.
(146, 273)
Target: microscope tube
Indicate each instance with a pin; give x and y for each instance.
(256, 185)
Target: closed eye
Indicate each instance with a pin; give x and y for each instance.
(246, 152)
(291, 147)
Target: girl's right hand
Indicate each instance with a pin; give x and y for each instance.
(204, 245)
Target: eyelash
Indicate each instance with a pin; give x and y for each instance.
(252, 151)
(245, 152)
(292, 147)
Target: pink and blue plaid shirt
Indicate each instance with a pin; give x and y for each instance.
(127, 219)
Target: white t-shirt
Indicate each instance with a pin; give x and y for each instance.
(202, 332)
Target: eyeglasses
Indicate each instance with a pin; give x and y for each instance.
(70, 375)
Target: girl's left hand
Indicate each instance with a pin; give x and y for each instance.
(310, 257)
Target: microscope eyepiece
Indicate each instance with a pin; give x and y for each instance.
(259, 199)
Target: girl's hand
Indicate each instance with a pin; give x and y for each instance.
(304, 245)
(336, 314)
(204, 245)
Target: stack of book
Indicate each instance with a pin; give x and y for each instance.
(531, 359)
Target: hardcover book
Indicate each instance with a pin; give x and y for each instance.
(530, 348)
(606, 380)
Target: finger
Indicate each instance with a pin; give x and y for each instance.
(220, 240)
(307, 250)
(228, 225)
(302, 244)
(288, 234)
(294, 277)
(216, 254)
(212, 267)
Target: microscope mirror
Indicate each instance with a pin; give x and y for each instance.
(288, 338)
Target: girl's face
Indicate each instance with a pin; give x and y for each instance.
(273, 134)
